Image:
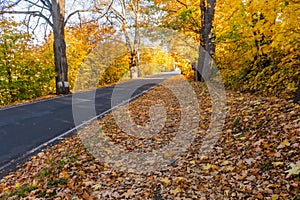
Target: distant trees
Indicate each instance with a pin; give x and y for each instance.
(126, 14)
(194, 19)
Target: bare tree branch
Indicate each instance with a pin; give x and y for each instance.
(11, 5)
(77, 12)
(180, 2)
(120, 17)
(33, 13)
(47, 3)
(36, 25)
(37, 5)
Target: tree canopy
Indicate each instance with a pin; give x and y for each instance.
(255, 43)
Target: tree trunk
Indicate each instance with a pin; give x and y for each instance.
(8, 68)
(207, 45)
(133, 65)
(59, 45)
(137, 38)
(132, 51)
(297, 97)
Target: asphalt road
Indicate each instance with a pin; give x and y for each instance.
(25, 127)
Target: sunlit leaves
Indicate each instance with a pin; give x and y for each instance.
(25, 69)
(257, 44)
(183, 16)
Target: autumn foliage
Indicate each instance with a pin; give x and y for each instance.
(256, 154)
(26, 69)
(257, 42)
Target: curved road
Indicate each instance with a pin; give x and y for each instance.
(24, 128)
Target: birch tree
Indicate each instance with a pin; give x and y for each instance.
(126, 13)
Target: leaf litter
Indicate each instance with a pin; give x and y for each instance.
(257, 156)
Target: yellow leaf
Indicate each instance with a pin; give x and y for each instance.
(210, 166)
(64, 175)
(216, 167)
(295, 169)
(226, 162)
(96, 187)
(180, 179)
(34, 183)
(166, 180)
(17, 185)
(81, 172)
(106, 165)
(169, 154)
(120, 179)
(176, 191)
(275, 197)
(275, 164)
(108, 151)
(129, 193)
(192, 162)
(206, 167)
(229, 168)
(285, 143)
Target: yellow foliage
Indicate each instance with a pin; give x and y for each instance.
(257, 45)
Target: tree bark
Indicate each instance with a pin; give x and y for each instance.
(8, 68)
(137, 39)
(297, 97)
(59, 46)
(207, 45)
(133, 65)
(133, 49)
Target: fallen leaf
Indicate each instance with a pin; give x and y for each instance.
(295, 169)
(64, 175)
(175, 191)
(275, 164)
(129, 193)
(166, 180)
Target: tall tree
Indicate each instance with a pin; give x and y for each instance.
(54, 14)
(81, 39)
(60, 56)
(127, 14)
(207, 45)
(194, 19)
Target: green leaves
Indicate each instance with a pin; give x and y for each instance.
(186, 14)
(25, 69)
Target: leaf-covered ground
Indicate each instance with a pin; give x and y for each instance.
(257, 156)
